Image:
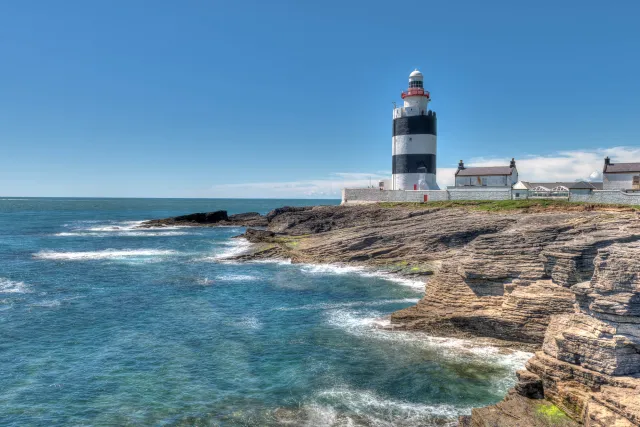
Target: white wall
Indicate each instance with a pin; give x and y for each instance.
(480, 193)
(367, 195)
(408, 180)
(606, 196)
(618, 181)
(476, 181)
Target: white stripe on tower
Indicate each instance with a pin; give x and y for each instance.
(414, 143)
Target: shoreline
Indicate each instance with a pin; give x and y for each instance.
(504, 276)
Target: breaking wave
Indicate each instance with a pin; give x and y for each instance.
(124, 234)
(332, 306)
(12, 287)
(234, 247)
(104, 254)
(372, 325)
(375, 410)
(361, 271)
(236, 278)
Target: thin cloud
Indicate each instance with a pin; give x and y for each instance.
(565, 165)
(561, 166)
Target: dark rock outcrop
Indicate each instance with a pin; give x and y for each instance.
(210, 219)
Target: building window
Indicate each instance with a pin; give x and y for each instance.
(415, 84)
(517, 195)
(484, 181)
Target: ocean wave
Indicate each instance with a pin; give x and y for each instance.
(364, 407)
(204, 281)
(123, 234)
(48, 304)
(340, 269)
(372, 325)
(104, 254)
(236, 278)
(247, 322)
(338, 305)
(364, 402)
(115, 226)
(13, 287)
(276, 261)
(234, 247)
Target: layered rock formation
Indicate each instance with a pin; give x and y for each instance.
(590, 360)
(497, 275)
(565, 283)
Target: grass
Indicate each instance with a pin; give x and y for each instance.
(291, 242)
(509, 205)
(551, 414)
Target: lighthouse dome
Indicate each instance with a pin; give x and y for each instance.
(416, 75)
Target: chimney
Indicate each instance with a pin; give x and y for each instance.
(461, 165)
(513, 163)
(607, 161)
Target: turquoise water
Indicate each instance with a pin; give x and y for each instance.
(104, 324)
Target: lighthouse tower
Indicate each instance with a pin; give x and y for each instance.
(414, 139)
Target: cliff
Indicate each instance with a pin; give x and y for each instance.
(559, 279)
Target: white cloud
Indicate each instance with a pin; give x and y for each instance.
(322, 188)
(565, 165)
(560, 166)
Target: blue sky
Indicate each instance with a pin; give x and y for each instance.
(293, 98)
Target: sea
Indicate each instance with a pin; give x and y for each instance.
(106, 324)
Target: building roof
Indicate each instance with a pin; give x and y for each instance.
(485, 171)
(416, 73)
(622, 167)
(576, 185)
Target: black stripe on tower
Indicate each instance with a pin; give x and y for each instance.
(416, 125)
(413, 163)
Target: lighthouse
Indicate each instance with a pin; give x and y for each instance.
(414, 139)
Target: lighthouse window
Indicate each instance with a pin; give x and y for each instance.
(415, 84)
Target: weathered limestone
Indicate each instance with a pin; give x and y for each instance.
(565, 282)
(590, 360)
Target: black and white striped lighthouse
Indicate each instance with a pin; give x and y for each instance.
(414, 139)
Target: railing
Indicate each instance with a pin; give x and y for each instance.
(415, 92)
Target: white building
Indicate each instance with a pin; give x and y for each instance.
(492, 176)
(414, 140)
(553, 190)
(621, 176)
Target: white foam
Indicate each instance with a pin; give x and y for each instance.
(248, 322)
(377, 410)
(12, 287)
(236, 278)
(49, 304)
(104, 254)
(275, 261)
(333, 306)
(369, 325)
(124, 234)
(235, 247)
(116, 226)
(205, 281)
(340, 269)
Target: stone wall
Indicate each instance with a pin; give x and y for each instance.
(372, 195)
(486, 193)
(606, 196)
